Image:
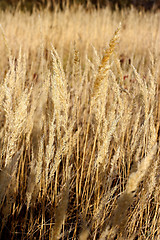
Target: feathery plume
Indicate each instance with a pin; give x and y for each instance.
(104, 67)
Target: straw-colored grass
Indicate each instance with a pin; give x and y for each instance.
(79, 124)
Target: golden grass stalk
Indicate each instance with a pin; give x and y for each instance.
(136, 177)
(60, 95)
(60, 213)
(103, 68)
(102, 154)
(15, 107)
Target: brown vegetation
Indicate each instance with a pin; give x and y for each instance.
(79, 124)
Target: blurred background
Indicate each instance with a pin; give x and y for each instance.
(30, 4)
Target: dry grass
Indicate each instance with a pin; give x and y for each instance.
(79, 125)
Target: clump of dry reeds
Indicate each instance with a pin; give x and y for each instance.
(79, 128)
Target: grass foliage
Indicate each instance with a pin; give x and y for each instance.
(79, 125)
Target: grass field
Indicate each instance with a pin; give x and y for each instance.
(79, 124)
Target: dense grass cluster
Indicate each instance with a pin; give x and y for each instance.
(79, 125)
